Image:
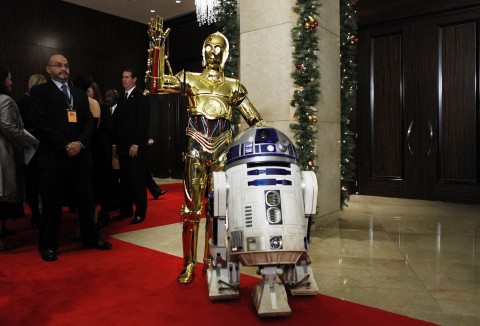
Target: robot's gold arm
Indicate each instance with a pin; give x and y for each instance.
(250, 114)
(155, 78)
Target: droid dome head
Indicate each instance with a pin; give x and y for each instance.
(261, 145)
(215, 51)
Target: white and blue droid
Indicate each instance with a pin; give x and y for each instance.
(260, 210)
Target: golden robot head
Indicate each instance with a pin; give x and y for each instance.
(215, 51)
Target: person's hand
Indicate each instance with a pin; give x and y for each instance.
(133, 150)
(73, 148)
(150, 142)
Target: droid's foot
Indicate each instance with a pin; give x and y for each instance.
(186, 276)
(271, 299)
(219, 288)
(300, 280)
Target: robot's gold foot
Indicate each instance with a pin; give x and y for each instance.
(186, 276)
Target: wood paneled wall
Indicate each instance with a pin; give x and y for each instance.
(93, 42)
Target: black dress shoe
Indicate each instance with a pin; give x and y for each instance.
(161, 193)
(137, 219)
(48, 254)
(99, 245)
(5, 247)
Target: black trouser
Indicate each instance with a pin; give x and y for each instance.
(133, 185)
(152, 185)
(54, 185)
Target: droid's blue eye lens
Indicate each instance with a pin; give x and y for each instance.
(264, 133)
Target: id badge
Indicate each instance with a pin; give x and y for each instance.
(72, 116)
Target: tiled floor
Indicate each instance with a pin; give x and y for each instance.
(412, 257)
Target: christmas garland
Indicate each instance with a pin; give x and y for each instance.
(305, 77)
(227, 22)
(348, 51)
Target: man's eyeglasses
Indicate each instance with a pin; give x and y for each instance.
(60, 65)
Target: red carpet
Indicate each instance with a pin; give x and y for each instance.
(132, 285)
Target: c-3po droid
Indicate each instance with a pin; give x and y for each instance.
(261, 207)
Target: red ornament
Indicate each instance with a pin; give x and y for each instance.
(299, 66)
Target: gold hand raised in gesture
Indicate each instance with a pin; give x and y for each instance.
(155, 74)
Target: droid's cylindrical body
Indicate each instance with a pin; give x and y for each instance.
(266, 218)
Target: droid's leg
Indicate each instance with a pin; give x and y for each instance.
(269, 295)
(223, 276)
(194, 189)
(299, 279)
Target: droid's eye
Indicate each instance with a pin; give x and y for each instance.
(264, 133)
(217, 49)
(208, 48)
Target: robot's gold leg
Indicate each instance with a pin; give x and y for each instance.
(190, 239)
(206, 253)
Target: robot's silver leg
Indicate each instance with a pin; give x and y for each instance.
(269, 296)
(223, 276)
(299, 279)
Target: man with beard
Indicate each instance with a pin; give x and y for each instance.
(64, 124)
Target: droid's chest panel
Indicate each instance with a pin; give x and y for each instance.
(211, 99)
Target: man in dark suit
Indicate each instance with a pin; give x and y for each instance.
(130, 141)
(64, 125)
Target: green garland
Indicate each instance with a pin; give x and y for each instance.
(306, 77)
(227, 22)
(348, 51)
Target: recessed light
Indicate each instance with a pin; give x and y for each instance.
(152, 10)
(178, 1)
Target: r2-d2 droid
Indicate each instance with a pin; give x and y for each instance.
(260, 211)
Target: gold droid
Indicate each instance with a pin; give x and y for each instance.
(211, 99)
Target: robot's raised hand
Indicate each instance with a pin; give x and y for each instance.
(155, 30)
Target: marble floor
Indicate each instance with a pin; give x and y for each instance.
(412, 257)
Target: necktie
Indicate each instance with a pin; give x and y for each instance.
(126, 95)
(65, 91)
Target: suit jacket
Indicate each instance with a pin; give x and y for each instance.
(131, 122)
(49, 116)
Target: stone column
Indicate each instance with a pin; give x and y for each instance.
(265, 66)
